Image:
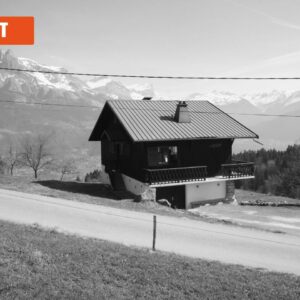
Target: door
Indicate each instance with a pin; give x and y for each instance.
(174, 194)
(215, 152)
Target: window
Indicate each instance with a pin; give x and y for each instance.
(121, 149)
(162, 156)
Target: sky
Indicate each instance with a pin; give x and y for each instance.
(168, 37)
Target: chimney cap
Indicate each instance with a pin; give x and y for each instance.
(147, 98)
(182, 114)
(182, 103)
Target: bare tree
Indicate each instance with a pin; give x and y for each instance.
(36, 154)
(2, 165)
(12, 158)
(67, 167)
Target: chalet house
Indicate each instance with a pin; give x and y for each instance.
(179, 151)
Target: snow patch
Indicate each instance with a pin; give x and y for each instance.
(136, 96)
(283, 219)
(43, 80)
(250, 212)
(30, 63)
(139, 87)
(115, 97)
(93, 84)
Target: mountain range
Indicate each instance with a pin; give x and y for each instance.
(59, 88)
(260, 111)
(73, 125)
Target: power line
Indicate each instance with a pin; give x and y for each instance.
(151, 76)
(160, 110)
(265, 115)
(49, 104)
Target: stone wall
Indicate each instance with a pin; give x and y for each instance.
(230, 191)
(148, 195)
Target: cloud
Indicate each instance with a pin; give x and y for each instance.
(283, 23)
(266, 67)
(272, 19)
(293, 57)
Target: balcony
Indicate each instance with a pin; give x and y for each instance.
(237, 169)
(175, 175)
(232, 170)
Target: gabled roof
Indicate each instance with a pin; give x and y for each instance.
(153, 121)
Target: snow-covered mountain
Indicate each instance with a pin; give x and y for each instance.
(219, 98)
(116, 90)
(60, 88)
(31, 87)
(267, 102)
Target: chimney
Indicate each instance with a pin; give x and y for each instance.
(182, 114)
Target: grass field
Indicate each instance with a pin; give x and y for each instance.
(44, 264)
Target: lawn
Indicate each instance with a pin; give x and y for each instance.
(45, 264)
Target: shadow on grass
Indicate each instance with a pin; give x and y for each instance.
(91, 189)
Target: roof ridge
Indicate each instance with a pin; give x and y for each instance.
(153, 100)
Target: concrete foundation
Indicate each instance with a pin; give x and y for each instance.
(134, 186)
(196, 194)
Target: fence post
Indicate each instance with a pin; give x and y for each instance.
(154, 233)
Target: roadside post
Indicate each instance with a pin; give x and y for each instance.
(154, 233)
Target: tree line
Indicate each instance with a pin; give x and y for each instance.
(33, 152)
(276, 172)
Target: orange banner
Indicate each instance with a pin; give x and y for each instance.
(16, 30)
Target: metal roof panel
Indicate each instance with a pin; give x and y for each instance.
(153, 120)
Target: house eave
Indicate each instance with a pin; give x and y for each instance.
(207, 180)
(193, 139)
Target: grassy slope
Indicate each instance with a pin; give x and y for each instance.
(84, 192)
(48, 265)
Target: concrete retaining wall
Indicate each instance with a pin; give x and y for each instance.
(197, 194)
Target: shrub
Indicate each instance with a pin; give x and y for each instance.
(94, 176)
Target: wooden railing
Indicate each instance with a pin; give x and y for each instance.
(175, 175)
(237, 169)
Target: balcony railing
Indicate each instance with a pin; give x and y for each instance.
(237, 169)
(175, 175)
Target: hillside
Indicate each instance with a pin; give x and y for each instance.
(276, 172)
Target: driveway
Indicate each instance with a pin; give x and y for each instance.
(225, 243)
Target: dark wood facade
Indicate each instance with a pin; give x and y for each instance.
(132, 158)
(145, 141)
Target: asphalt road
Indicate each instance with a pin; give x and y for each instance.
(225, 243)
